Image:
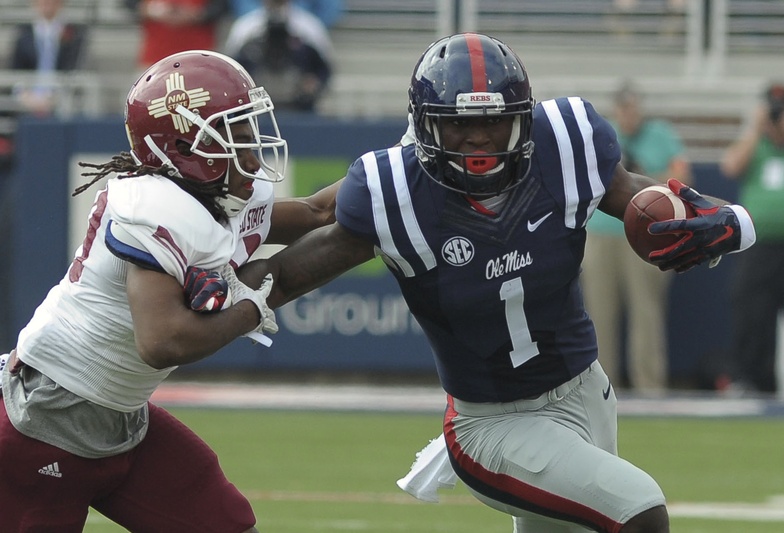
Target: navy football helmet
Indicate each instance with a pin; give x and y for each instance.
(470, 75)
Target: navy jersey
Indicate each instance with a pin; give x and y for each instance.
(497, 296)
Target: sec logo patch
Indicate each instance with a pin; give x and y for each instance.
(457, 251)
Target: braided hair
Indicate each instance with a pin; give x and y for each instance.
(126, 167)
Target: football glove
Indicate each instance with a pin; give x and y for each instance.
(240, 291)
(714, 232)
(206, 291)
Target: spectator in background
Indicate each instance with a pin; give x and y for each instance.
(617, 283)
(171, 26)
(287, 50)
(756, 160)
(329, 12)
(46, 45)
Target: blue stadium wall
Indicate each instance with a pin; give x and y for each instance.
(357, 323)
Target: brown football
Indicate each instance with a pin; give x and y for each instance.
(653, 204)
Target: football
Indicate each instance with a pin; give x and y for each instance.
(652, 204)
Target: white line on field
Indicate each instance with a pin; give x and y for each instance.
(430, 399)
(771, 511)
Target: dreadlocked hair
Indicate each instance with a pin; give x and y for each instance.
(126, 167)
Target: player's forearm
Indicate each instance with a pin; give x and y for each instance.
(294, 217)
(295, 270)
(314, 260)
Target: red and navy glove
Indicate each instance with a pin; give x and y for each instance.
(714, 232)
(205, 291)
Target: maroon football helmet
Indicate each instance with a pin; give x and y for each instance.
(185, 97)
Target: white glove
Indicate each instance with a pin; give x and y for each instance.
(239, 291)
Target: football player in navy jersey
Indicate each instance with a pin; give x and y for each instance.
(482, 222)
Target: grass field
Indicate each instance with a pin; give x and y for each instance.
(333, 472)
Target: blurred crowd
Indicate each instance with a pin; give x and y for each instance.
(284, 44)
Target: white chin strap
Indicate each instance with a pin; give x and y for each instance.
(232, 204)
(173, 171)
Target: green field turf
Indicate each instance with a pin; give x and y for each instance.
(335, 472)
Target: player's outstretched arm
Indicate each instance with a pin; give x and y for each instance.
(310, 262)
(294, 217)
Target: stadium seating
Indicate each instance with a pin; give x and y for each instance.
(700, 68)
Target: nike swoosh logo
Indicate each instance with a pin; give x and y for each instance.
(533, 225)
(606, 393)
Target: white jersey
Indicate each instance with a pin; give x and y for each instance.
(82, 335)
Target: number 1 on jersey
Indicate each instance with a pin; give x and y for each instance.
(523, 347)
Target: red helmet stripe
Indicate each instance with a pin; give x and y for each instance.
(477, 57)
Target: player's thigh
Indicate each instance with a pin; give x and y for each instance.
(176, 485)
(44, 488)
(547, 461)
(590, 410)
(543, 467)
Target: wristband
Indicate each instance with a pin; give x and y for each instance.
(747, 233)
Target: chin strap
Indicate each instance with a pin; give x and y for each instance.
(171, 169)
(232, 204)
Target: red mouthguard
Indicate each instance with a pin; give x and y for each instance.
(477, 164)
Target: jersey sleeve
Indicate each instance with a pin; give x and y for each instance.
(576, 151)
(354, 209)
(157, 225)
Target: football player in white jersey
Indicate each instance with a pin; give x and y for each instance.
(482, 222)
(195, 192)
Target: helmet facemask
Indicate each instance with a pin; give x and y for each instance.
(193, 113)
(465, 76)
(479, 175)
(270, 149)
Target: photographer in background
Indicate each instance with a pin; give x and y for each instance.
(171, 26)
(617, 283)
(287, 50)
(756, 160)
